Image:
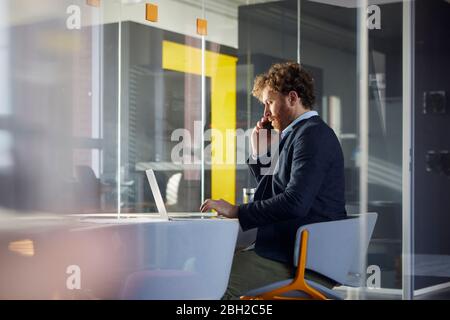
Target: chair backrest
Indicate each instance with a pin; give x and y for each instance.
(172, 189)
(335, 248)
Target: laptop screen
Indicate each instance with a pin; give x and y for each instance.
(157, 194)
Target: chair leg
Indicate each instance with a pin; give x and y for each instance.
(298, 284)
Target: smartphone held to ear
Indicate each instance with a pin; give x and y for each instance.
(267, 125)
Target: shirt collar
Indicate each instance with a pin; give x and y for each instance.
(304, 116)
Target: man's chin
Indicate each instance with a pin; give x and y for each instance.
(276, 126)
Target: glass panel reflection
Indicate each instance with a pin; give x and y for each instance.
(93, 94)
(54, 120)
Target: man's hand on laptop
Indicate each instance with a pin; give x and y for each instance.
(222, 207)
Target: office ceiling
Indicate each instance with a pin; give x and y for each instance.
(227, 8)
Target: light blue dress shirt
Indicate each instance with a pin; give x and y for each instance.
(304, 116)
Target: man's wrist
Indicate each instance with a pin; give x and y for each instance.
(235, 211)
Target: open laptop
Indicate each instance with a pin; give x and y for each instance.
(162, 208)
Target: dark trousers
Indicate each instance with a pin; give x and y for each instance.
(250, 271)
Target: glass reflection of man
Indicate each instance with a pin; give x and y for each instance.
(307, 187)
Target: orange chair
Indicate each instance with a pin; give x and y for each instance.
(332, 249)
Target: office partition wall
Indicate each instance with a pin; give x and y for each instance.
(96, 92)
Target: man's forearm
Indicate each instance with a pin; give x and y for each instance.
(284, 206)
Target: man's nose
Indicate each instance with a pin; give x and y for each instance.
(267, 111)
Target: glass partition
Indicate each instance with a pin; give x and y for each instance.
(57, 123)
(356, 64)
(96, 92)
(161, 106)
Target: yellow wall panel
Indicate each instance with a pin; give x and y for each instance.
(222, 71)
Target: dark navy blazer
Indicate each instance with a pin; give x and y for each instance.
(308, 187)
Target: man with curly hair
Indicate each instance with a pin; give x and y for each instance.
(306, 187)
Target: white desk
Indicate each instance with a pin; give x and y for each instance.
(134, 259)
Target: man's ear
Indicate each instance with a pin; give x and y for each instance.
(293, 98)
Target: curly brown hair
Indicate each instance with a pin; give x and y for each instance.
(284, 78)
